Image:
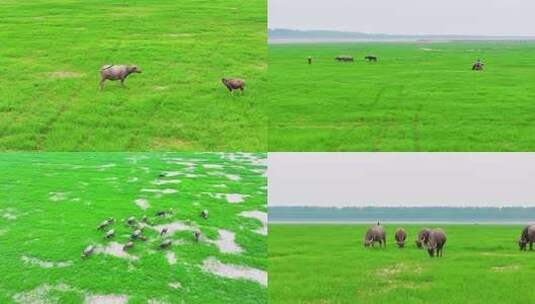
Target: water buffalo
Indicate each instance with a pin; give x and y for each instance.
(423, 237)
(527, 236)
(204, 214)
(437, 239)
(344, 58)
(234, 84)
(116, 72)
(371, 58)
(401, 236)
(88, 251)
(375, 234)
(478, 66)
(309, 60)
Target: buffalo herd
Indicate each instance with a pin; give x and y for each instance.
(122, 71)
(477, 66)
(432, 239)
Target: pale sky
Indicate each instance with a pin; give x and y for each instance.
(475, 17)
(401, 179)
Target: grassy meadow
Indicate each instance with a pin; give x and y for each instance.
(417, 97)
(52, 203)
(53, 51)
(328, 264)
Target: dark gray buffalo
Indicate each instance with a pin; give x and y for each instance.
(401, 236)
(435, 245)
(423, 237)
(234, 84)
(527, 236)
(116, 72)
(344, 58)
(375, 234)
(371, 58)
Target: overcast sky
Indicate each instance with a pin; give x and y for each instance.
(478, 17)
(401, 179)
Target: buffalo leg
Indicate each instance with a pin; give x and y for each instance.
(241, 90)
(122, 82)
(102, 83)
(530, 245)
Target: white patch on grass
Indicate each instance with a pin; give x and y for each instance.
(106, 299)
(212, 265)
(44, 264)
(172, 228)
(142, 203)
(233, 177)
(166, 181)
(57, 196)
(171, 258)
(105, 167)
(175, 285)
(259, 215)
(41, 294)
(505, 268)
(115, 249)
(212, 166)
(235, 198)
(65, 74)
(160, 191)
(226, 242)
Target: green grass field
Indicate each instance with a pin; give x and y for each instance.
(417, 97)
(51, 204)
(328, 264)
(53, 51)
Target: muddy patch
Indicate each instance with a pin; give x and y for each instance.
(64, 74)
(44, 264)
(115, 249)
(106, 299)
(227, 242)
(142, 203)
(212, 265)
(258, 215)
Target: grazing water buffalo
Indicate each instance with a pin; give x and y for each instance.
(478, 66)
(128, 246)
(527, 236)
(437, 239)
(401, 236)
(116, 72)
(197, 235)
(375, 234)
(234, 84)
(423, 237)
(88, 251)
(344, 58)
(166, 244)
(371, 58)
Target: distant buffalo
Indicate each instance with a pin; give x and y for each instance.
(344, 58)
(401, 236)
(234, 84)
(375, 234)
(435, 245)
(478, 66)
(527, 236)
(423, 237)
(371, 58)
(309, 60)
(116, 72)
